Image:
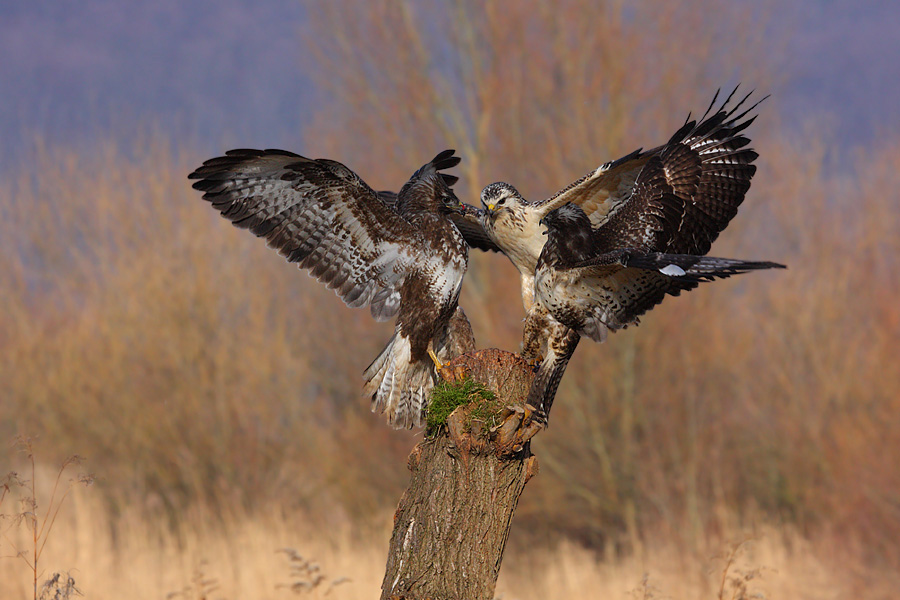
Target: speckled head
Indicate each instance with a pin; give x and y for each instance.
(499, 194)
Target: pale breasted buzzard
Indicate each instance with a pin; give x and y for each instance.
(705, 163)
(673, 199)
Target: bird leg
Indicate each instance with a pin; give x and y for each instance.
(437, 362)
(534, 336)
(450, 371)
(560, 348)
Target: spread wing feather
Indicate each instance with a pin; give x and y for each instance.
(648, 216)
(318, 214)
(618, 287)
(713, 166)
(597, 192)
(706, 162)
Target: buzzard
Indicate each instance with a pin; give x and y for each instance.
(674, 200)
(706, 163)
(587, 282)
(398, 254)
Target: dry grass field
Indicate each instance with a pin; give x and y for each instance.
(271, 555)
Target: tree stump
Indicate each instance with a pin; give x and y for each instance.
(452, 523)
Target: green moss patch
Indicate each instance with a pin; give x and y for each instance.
(447, 396)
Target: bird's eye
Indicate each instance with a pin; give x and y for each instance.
(501, 201)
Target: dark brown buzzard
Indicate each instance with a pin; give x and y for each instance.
(398, 254)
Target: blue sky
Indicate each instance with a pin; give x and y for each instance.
(228, 72)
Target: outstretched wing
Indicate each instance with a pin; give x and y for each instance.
(709, 166)
(318, 214)
(647, 218)
(706, 164)
(620, 286)
(598, 192)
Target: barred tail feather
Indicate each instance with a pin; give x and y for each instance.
(375, 373)
(398, 387)
(414, 396)
(693, 268)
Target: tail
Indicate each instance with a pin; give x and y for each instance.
(398, 387)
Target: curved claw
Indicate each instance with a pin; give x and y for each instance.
(519, 425)
(534, 362)
(538, 415)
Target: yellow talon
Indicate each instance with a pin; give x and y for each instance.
(534, 362)
(437, 362)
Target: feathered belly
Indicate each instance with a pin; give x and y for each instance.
(576, 302)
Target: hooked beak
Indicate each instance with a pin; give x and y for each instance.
(458, 208)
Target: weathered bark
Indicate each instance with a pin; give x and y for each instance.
(451, 525)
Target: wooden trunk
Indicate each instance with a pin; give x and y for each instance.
(451, 525)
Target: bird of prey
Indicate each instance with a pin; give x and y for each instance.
(398, 254)
(673, 199)
(587, 283)
(706, 163)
